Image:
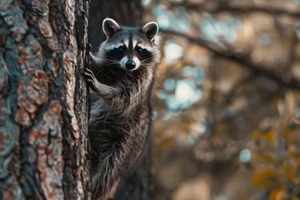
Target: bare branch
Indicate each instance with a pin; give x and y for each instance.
(280, 77)
(216, 7)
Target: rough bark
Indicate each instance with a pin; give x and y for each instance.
(136, 186)
(43, 122)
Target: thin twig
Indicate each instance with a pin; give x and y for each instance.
(279, 76)
(215, 7)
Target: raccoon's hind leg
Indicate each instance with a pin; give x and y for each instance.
(101, 89)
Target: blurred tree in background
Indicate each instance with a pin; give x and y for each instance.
(227, 101)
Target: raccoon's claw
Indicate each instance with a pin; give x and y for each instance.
(89, 75)
(91, 80)
(95, 84)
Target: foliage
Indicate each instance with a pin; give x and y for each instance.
(227, 100)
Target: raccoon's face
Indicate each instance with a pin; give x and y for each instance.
(129, 48)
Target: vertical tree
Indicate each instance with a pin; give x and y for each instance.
(43, 121)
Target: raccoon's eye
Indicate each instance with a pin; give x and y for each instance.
(121, 48)
(139, 50)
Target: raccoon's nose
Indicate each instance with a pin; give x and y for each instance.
(130, 64)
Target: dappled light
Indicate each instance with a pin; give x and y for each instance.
(226, 100)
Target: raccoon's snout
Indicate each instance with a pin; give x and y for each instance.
(130, 64)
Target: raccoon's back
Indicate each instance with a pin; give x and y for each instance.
(125, 136)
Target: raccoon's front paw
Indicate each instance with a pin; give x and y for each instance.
(95, 85)
(90, 78)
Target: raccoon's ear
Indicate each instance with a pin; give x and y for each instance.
(150, 29)
(110, 27)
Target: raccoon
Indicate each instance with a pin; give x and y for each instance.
(121, 78)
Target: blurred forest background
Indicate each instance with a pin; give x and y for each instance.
(226, 100)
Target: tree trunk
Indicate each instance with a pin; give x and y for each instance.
(43, 122)
(136, 186)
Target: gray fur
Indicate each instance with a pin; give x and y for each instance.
(120, 116)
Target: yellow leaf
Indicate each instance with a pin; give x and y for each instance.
(268, 135)
(279, 193)
(265, 177)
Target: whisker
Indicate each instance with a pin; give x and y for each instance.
(147, 61)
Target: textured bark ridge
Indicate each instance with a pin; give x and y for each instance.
(43, 120)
